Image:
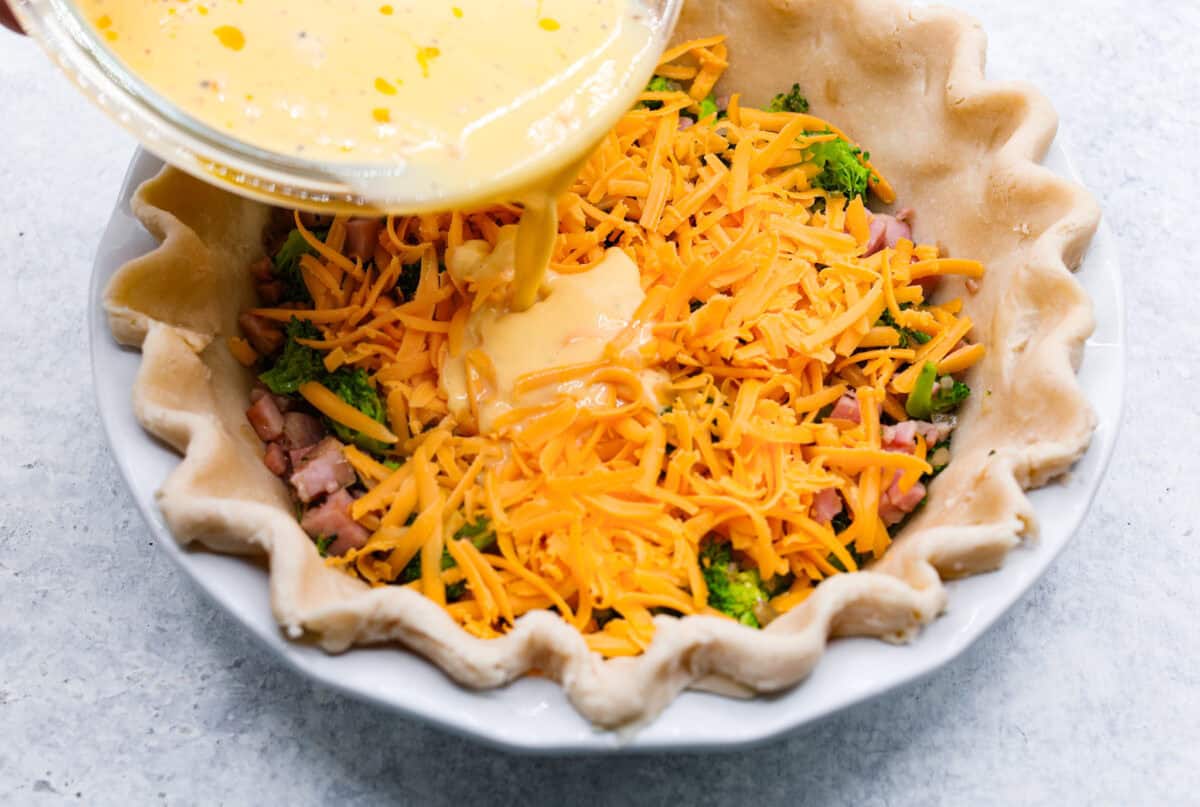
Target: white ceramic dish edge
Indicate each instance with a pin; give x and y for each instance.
(532, 715)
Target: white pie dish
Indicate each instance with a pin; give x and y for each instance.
(533, 714)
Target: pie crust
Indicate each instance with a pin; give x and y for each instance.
(963, 152)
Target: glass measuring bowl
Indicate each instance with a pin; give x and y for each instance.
(282, 179)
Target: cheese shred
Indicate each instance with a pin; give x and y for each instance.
(764, 310)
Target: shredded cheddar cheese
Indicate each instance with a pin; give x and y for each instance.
(760, 311)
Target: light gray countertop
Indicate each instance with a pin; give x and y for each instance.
(120, 684)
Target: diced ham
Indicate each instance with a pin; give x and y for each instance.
(934, 433)
(266, 418)
(283, 402)
(276, 232)
(266, 336)
(901, 437)
(276, 459)
(895, 504)
(362, 236)
(269, 292)
(846, 408)
(269, 289)
(886, 231)
(826, 504)
(301, 431)
(323, 470)
(928, 285)
(332, 517)
(262, 269)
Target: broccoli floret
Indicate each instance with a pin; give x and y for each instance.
(842, 170)
(946, 399)
(930, 396)
(860, 560)
(840, 523)
(791, 101)
(287, 267)
(907, 335)
(730, 590)
(297, 363)
(920, 399)
(410, 278)
(708, 110)
(355, 388)
(659, 84)
(323, 542)
(479, 532)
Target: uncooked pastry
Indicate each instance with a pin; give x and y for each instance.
(906, 82)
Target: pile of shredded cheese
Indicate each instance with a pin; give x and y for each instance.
(762, 314)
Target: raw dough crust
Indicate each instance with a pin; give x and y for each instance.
(906, 82)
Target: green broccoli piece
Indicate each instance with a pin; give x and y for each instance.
(931, 396)
(920, 400)
(287, 267)
(355, 388)
(297, 363)
(410, 278)
(860, 560)
(730, 590)
(662, 84)
(840, 523)
(791, 101)
(659, 84)
(708, 111)
(946, 399)
(479, 532)
(907, 335)
(323, 542)
(842, 170)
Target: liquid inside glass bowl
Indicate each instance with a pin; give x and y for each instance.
(466, 109)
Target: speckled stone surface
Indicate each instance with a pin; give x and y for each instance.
(120, 684)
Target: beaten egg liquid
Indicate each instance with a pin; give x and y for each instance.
(459, 103)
